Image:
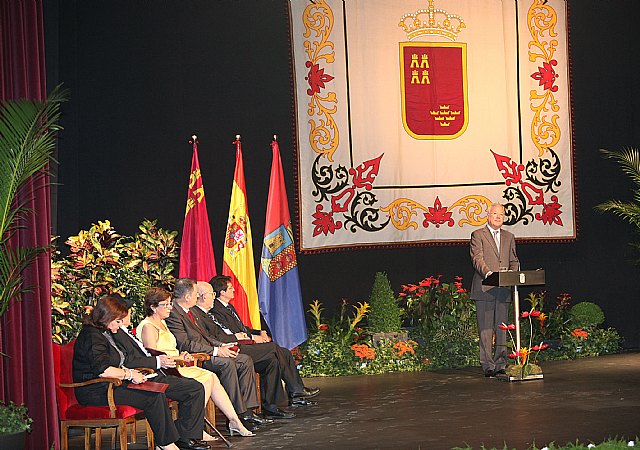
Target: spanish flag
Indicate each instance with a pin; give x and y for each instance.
(196, 252)
(238, 249)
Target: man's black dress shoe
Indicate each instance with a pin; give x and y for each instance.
(192, 444)
(312, 392)
(501, 373)
(489, 373)
(278, 414)
(306, 393)
(301, 402)
(253, 419)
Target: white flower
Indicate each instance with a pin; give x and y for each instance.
(544, 448)
(631, 444)
(363, 365)
(591, 446)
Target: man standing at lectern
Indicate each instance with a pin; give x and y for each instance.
(492, 249)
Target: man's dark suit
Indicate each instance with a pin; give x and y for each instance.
(187, 392)
(237, 375)
(492, 303)
(227, 317)
(264, 358)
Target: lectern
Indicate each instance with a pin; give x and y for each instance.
(513, 279)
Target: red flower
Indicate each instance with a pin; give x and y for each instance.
(535, 348)
(323, 327)
(512, 355)
(402, 294)
(503, 326)
(324, 222)
(546, 75)
(525, 314)
(316, 78)
(535, 313)
(426, 282)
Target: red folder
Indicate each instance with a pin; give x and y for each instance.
(152, 386)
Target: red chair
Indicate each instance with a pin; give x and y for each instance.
(72, 414)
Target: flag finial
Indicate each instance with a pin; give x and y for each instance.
(237, 137)
(275, 137)
(194, 137)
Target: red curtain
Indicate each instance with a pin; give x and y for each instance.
(26, 368)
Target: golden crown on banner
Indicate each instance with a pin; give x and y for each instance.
(431, 21)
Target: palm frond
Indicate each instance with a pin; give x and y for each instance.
(27, 141)
(12, 264)
(629, 160)
(28, 131)
(628, 211)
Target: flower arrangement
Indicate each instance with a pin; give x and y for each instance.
(442, 320)
(100, 262)
(525, 364)
(340, 346)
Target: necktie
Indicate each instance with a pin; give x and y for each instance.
(193, 319)
(225, 329)
(496, 237)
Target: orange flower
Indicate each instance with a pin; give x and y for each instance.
(579, 332)
(363, 351)
(400, 348)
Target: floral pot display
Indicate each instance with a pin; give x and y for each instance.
(14, 441)
(391, 336)
(14, 425)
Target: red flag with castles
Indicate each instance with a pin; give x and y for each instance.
(196, 252)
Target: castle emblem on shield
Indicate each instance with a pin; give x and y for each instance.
(433, 75)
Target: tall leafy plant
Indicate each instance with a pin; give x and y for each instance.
(629, 161)
(28, 132)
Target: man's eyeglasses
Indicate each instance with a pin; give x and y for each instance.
(165, 304)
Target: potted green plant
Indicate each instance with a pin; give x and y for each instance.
(385, 315)
(14, 425)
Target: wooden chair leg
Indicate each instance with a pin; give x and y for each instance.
(87, 438)
(259, 394)
(64, 436)
(150, 438)
(210, 412)
(113, 437)
(134, 432)
(122, 432)
(98, 438)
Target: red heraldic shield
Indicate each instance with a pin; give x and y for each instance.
(434, 89)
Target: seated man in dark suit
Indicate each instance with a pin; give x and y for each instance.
(229, 328)
(187, 392)
(235, 370)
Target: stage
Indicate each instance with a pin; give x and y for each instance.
(589, 399)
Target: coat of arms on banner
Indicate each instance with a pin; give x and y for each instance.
(433, 76)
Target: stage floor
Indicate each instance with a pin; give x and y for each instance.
(589, 399)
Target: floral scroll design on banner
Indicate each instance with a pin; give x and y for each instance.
(348, 192)
(526, 188)
(324, 135)
(541, 20)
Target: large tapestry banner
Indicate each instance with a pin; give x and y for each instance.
(414, 116)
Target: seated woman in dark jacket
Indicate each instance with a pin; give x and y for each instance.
(97, 355)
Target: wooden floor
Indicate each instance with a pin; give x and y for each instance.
(590, 399)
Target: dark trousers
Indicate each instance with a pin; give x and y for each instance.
(189, 394)
(491, 314)
(237, 376)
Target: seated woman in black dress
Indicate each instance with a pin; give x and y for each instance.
(97, 355)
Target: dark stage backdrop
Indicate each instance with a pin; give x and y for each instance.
(146, 75)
